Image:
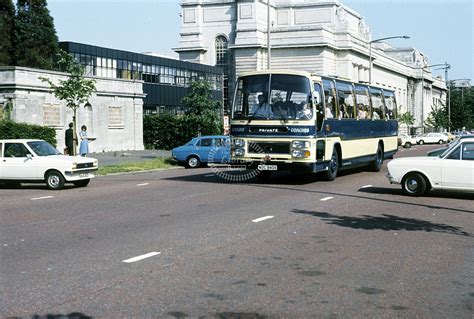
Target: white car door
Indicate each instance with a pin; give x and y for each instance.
(458, 172)
(15, 163)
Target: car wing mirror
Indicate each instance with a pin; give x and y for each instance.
(29, 156)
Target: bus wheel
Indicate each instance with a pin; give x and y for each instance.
(333, 167)
(377, 164)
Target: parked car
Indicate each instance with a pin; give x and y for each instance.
(441, 150)
(452, 170)
(406, 140)
(37, 161)
(432, 138)
(203, 149)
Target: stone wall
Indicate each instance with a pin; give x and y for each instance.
(114, 117)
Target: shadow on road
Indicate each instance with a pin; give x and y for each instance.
(384, 222)
(434, 193)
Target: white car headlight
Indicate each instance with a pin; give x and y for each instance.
(300, 144)
(239, 152)
(74, 165)
(238, 142)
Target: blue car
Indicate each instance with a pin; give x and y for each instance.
(203, 149)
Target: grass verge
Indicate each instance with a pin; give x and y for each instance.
(156, 163)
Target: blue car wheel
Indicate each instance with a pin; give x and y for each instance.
(193, 162)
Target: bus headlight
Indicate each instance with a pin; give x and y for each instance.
(239, 152)
(301, 153)
(300, 144)
(238, 142)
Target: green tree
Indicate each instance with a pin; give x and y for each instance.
(35, 40)
(406, 118)
(438, 118)
(7, 18)
(202, 111)
(76, 89)
(462, 108)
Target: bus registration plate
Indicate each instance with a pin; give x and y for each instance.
(267, 167)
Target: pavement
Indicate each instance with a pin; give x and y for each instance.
(119, 157)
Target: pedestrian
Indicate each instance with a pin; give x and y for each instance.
(70, 140)
(84, 147)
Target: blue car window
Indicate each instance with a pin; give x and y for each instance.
(468, 152)
(206, 142)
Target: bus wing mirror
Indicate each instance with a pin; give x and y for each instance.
(316, 97)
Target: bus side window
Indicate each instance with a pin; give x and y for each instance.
(363, 102)
(329, 99)
(345, 96)
(390, 105)
(377, 103)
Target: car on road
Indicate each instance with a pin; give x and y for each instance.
(202, 150)
(438, 138)
(37, 161)
(452, 170)
(406, 140)
(441, 150)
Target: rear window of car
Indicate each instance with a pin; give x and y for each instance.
(15, 150)
(205, 142)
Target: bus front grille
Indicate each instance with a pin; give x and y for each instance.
(269, 148)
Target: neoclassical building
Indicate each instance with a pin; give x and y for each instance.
(320, 36)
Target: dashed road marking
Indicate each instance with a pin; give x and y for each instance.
(366, 186)
(208, 175)
(262, 219)
(143, 184)
(44, 197)
(326, 198)
(141, 257)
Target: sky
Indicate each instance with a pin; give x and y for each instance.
(442, 29)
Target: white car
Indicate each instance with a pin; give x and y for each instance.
(38, 161)
(406, 140)
(452, 170)
(438, 138)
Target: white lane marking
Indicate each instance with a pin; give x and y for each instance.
(143, 184)
(208, 175)
(44, 197)
(261, 219)
(366, 186)
(326, 198)
(134, 259)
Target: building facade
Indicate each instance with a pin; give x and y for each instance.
(113, 116)
(319, 36)
(165, 80)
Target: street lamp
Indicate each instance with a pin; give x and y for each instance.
(370, 50)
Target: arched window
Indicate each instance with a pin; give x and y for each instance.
(222, 61)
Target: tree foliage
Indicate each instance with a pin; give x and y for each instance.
(438, 117)
(203, 112)
(406, 118)
(7, 18)
(76, 89)
(34, 40)
(462, 108)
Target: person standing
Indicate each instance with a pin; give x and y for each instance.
(70, 140)
(84, 146)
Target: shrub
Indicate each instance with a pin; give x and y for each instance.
(11, 130)
(165, 131)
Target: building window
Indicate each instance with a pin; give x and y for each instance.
(222, 61)
(51, 115)
(115, 117)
